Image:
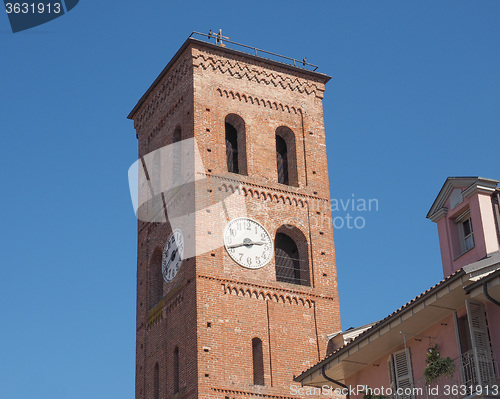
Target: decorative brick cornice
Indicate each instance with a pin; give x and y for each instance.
(243, 70)
(247, 394)
(268, 292)
(264, 192)
(164, 307)
(168, 114)
(263, 195)
(255, 191)
(249, 99)
(265, 295)
(162, 92)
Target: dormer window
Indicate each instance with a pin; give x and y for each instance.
(465, 232)
(468, 218)
(468, 235)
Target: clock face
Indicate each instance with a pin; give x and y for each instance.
(172, 255)
(248, 243)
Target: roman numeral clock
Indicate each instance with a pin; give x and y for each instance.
(237, 293)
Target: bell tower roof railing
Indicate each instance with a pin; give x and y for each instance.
(220, 41)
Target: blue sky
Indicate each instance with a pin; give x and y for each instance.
(413, 99)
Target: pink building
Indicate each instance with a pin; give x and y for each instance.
(445, 343)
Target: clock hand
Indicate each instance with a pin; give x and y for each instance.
(172, 257)
(236, 245)
(248, 243)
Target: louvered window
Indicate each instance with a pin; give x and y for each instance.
(287, 259)
(258, 362)
(400, 374)
(484, 372)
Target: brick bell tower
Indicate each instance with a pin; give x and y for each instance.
(236, 277)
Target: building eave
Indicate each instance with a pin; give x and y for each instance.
(348, 359)
(483, 266)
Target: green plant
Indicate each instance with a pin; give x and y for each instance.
(437, 366)
(368, 394)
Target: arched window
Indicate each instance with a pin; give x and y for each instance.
(232, 148)
(291, 256)
(155, 279)
(176, 370)
(177, 134)
(156, 175)
(287, 259)
(177, 156)
(156, 383)
(282, 160)
(258, 362)
(235, 144)
(286, 156)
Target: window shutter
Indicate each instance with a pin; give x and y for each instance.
(402, 373)
(390, 366)
(478, 327)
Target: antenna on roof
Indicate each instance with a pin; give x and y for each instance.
(218, 37)
(219, 41)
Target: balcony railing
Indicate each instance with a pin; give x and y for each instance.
(476, 373)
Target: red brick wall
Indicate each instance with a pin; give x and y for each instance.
(199, 90)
